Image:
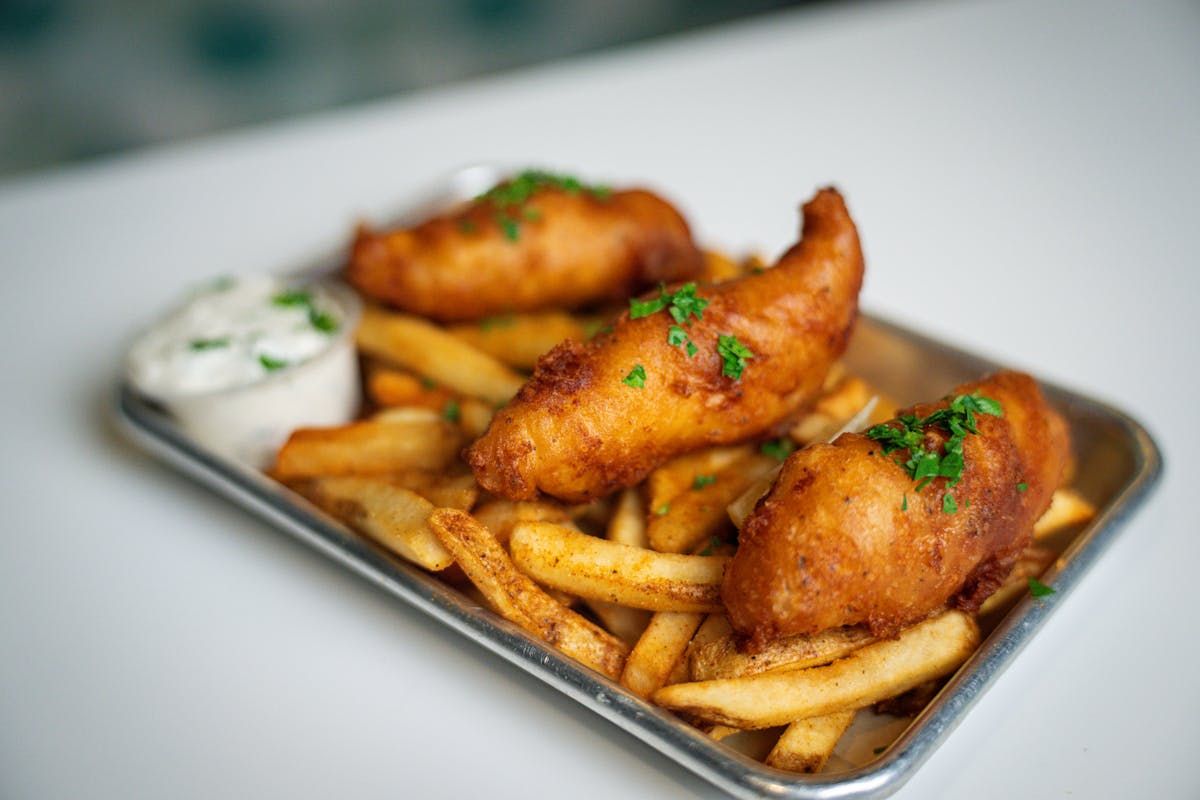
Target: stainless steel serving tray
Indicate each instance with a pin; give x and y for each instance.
(1118, 465)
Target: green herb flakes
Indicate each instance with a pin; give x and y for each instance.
(701, 481)
(209, 344)
(778, 449)
(636, 377)
(1039, 589)
(271, 364)
(734, 356)
(451, 411)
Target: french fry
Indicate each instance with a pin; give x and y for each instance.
(499, 515)
(391, 388)
(519, 339)
(698, 514)
(445, 489)
(602, 570)
(679, 474)
(721, 658)
(418, 440)
(832, 410)
(1032, 563)
(474, 416)
(658, 650)
(719, 267)
(1067, 507)
(518, 599)
(627, 624)
(714, 627)
(394, 517)
(806, 745)
(424, 348)
(627, 525)
(927, 650)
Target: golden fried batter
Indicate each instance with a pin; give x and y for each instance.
(843, 538)
(545, 247)
(583, 426)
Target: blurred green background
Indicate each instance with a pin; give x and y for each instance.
(83, 79)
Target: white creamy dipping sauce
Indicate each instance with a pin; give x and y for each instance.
(243, 363)
(233, 334)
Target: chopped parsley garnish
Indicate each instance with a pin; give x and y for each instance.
(292, 298)
(516, 192)
(322, 321)
(428, 383)
(778, 449)
(451, 411)
(467, 226)
(636, 377)
(734, 356)
(677, 337)
(701, 481)
(663, 509)
(1039, 589)
(908, 433)
(712, 545)
(686, 303)
(1022, 486)
(904, 503)
(209, 344)
(512, 230)
(681, 304)
(296, 298)
(271, 364)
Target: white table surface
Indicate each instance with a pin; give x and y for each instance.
(1025, 176)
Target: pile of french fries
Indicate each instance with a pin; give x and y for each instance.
(629, 585)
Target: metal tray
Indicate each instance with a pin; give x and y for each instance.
(1117, 465)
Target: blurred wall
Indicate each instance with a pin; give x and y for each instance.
(80, 79)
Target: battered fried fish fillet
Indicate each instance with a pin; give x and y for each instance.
(844, 537)
(537, 242)
(599, 416)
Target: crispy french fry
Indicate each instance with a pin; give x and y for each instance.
(521, 601)
(719, 267)
(500, 515)
(927, 650)
(627, 525)
(391, 388)
(1067, 507)
(714, 627)
(421, 346)
(658, 650)
(445, 489)
(603, 570)
(396, 518)
(419, 440)
(806, 745)
(832, 410)
(1032, 563)
(720, 657)
(519, 339)
(627, 624)
(679, 474)
(698, 514)
(474, 416)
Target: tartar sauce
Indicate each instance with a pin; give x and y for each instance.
(232, 334)
(243, 363)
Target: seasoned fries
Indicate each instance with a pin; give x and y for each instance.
(589, 567)
(396, 518)
(418, 440)
(807, 744)
(658, 650)
(884, 669)
(518, 599)
(721, 658)
(519, 340)
(428, 350)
